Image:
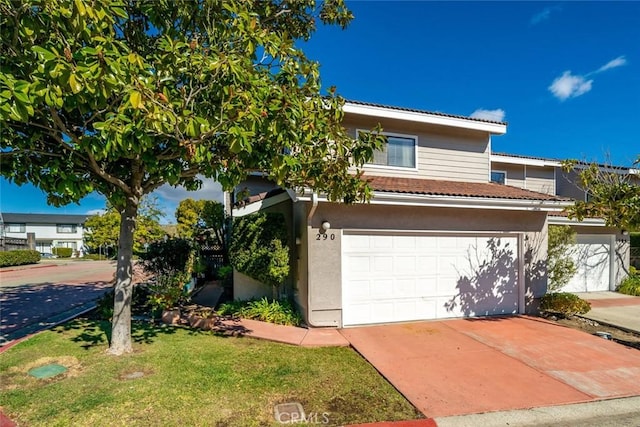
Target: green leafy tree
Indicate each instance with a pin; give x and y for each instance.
(188, 216)
(613, 194)
(121, 96)
(103, 230)
(560, 265)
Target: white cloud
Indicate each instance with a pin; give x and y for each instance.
(614, 63)
(96, 212)
(569, 86)
(543, 15)
(496, 115)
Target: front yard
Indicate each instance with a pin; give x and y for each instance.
(182, 377)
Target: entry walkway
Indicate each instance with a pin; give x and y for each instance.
(615, 309)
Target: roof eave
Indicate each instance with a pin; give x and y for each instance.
(524, 161)
(430, 200)
(417, 117)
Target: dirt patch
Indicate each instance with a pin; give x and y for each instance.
(592, 327)
(18, 376)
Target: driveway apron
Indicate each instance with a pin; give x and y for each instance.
(463, 366)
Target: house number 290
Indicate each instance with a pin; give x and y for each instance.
(325, 236)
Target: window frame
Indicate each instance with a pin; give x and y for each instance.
(22, 227)
(396, 135)
(492, 171)
(74, 228)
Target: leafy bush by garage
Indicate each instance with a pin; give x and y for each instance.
(281, 312)
(631, 285)
(19, 257)
(62, 252)
(259, 247)
(564, 303)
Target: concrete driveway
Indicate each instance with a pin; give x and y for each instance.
(470, 366)
(614, 309)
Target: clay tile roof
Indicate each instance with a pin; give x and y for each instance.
(414, 110)
(454, 188)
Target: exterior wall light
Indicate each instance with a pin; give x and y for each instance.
(325, 225)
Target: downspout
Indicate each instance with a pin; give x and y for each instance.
(314, 206)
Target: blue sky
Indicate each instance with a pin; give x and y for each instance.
(564, 75)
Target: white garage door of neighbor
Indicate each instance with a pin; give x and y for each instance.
(403, 277)
(592, 255)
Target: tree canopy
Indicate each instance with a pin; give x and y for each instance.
(612, 194)
(121, 96)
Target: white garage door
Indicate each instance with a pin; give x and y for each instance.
(402, 277)
(592, 255)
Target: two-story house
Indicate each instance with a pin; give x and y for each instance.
(439, 239)
(51, 230)
(601, 253)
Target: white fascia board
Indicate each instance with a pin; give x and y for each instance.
(563, 220)
(399, 199)
(260, 204)
(412, 116)
(524, 161)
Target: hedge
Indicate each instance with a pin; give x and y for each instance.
(21, 257)
(62, 252)
(259, 247)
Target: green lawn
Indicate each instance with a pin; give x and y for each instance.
(192, 378)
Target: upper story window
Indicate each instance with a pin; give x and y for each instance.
(399, 152)
(499, 177)
(67, 228)
(15, 228)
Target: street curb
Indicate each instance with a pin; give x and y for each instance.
(2, 270)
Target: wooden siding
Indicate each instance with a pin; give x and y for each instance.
(443, 153)
(541, 179)
(515, 173)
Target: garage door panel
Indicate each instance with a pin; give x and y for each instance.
(592, 257)
(425, 277)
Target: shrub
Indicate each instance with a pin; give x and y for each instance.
(167, 257)
(139, 302)
(560, 264)
(564, 303)
(167, 291)
(62, 252)
(19, 257)
(631, 285)
(259, 247)
(281, 312)
(95, 257)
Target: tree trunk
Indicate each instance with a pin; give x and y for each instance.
(121, 323)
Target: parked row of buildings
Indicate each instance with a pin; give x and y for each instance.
(43, 232)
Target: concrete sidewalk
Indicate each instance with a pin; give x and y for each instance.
(615, 309)
(313, 337)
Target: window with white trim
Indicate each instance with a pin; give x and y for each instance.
(499, 177)
(67, 228)
(399, 151)
(15, 228)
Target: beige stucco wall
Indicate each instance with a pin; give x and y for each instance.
(325, 255)
(443, 153)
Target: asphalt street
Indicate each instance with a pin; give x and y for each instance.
(34, 297)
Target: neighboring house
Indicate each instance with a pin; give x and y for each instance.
(437, 240)
(601, 253)
(50, 230)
